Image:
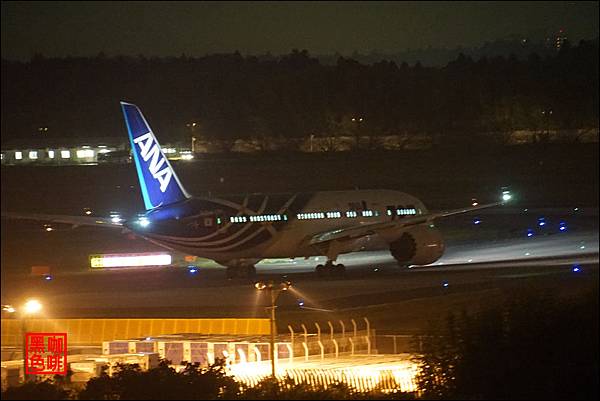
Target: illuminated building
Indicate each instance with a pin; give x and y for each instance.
(76, 151)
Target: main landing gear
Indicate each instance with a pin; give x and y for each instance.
(241, 272)
(329, 269)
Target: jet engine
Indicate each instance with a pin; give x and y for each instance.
(420, 245)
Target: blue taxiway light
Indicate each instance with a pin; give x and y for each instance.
(530, 232)
(192, 270)
(476, 221)
(576, 268)
(445, 284)
(48, 278)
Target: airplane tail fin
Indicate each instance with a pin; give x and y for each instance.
(158, 181)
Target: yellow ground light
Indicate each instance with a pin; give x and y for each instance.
(363, 373)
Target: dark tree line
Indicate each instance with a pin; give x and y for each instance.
(535, 347)
(229, 96)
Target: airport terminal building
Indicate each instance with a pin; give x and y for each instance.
(73, 151)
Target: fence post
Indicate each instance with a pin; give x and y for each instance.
(305, 333)
(305, 343)
(354, 325)
(330, 330)
(352, 346)
(291, 335)
(368, 326)
(258, 357)
(368, 335)
(337, 349)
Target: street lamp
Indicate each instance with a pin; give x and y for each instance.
(192, 126)
(357, 121)
(547, 114)
(31, 307)
(274, 291)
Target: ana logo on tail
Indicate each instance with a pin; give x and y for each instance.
(149, 149)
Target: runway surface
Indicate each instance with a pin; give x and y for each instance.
(482, 263)
(513, 252)
(368, 274)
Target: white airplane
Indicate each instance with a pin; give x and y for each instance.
(238, 232)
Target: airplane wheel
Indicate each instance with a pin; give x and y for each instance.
(320, 270)
(339, 269)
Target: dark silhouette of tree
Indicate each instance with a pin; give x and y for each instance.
(538, 347)
(40, 390)
(293, 96)
(128, 382)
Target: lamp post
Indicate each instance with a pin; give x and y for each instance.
(31, 307)
(274, 291)
(192, 126)
(547, 114)
(358, 121)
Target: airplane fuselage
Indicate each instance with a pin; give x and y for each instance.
(273, 226)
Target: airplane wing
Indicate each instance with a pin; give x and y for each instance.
(389, 227)
(75, 221)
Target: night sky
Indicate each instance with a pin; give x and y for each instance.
(173, 28)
